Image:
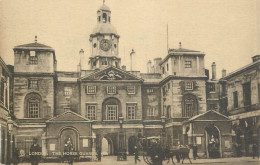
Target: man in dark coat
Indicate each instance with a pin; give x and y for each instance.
(195, 151)
(255, 151)
(35, 152)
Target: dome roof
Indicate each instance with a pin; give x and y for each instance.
(104, 7)
(104, 28)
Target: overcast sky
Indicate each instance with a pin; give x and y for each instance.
(227, 31)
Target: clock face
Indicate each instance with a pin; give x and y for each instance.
(105, 44)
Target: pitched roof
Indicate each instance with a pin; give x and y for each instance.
(33, 46)
(209, 115)
(68, 116)
(111, 73)
(182, 50)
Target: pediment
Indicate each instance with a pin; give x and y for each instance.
(210, 115)
(68, 116)
(111, 74)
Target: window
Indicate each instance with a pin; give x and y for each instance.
(104, 17)
(99, 18)
(91, 112)
(190, 105)
(131, 90)
(112, 112)
(108, 19)
(33, 60)
(67, 91)
(33, 84)
(91, 89)
(247, 93)
(188, 85)
(33, 108)
(94, 45)
(111, 90)
(167, 66)
(235, 99)
(188, 110)
(212, 106)
(188, 64)
(66, 109)
(131, 111)
(258, 92)
(2, 90)
(104, 62)
(151, 111)
(163, 70)
(150, 90)
(212, 87)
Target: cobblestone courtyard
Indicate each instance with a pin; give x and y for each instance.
(112, 160)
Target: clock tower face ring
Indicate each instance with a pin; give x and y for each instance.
(105, 44)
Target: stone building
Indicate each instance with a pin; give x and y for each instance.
(239, 99)
(5, 109)
(106, 107)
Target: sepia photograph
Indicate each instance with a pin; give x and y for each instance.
(148, 82)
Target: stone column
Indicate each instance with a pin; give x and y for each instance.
(94, 141)
(44, 145)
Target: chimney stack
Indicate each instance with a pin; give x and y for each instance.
(132, 56)
(213, 66)
(149, 67)
(124, 67)
(82, 59)
(256, 58)
(157, 68)
(224, 73)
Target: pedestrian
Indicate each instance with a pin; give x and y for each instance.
(136, 154)
(255, 150)
(16, 156)
(195, 151)
(35, 152)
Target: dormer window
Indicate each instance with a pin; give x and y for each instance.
(33, 59)
(104, 17)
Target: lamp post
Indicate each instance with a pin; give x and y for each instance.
(9, 139)
(163, 119)
(122, 140)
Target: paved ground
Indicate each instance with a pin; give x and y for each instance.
(112, 160)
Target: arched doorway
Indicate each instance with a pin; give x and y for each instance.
(213, 142)
(131, 145)
(107, 146)
(69, 136)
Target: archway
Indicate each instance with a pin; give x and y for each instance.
(107, 146)
(69, 136)
(131, 145)
(213, 142)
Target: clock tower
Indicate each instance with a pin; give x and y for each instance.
(104, 41)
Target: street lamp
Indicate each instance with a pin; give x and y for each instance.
(121, 120)
(163, 119)
(122, 154)
(10, 124)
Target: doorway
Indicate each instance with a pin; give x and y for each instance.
(131, 145)
(213, 142)
(107, 146)
(69, 136)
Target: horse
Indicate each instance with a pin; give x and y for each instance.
(181, 152)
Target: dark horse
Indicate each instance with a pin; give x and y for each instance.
(181, 153)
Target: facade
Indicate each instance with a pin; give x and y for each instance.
(5, 109)
(106, 108)
(239, 99)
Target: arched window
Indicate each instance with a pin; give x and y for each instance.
(190, 106)
(111, 109)
(104, 17)
(32, 105)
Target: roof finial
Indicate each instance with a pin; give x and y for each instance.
(104, 2)
(180, 45)
(35, 39)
